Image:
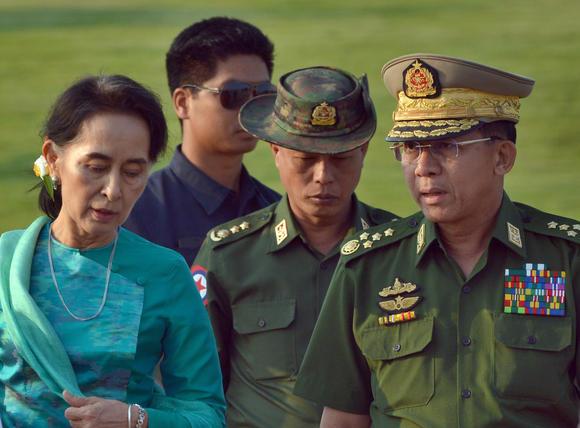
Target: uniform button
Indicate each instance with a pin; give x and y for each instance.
(261, 323)
(466, 393)
(466, 341)
(532, 340)
(467, 289)
(397, 347)
(413, 223)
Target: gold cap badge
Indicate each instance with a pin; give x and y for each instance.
(421, 81)
(323, 115)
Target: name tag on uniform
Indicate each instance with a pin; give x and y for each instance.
(535, 290)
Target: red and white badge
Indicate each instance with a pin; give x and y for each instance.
(200, 277)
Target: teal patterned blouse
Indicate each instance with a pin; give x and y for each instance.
(152, 309)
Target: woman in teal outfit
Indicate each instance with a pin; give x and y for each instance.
(88, 309)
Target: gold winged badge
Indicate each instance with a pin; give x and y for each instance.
(400, 307)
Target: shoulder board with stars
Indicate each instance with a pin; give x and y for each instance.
(240, 227)
(549, 224)
(379, 236)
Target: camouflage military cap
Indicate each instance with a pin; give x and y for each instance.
(316, 110)
(442, 97)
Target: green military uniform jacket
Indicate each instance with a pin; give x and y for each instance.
(405, 337)
(265, 288)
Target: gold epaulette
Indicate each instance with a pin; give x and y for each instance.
(549, 224)
(379, 236)
(240, 227)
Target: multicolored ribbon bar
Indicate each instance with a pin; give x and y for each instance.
(535, 290)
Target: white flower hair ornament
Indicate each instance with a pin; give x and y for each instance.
(42, 170)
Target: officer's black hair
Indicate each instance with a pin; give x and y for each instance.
(100, 94)
(195, 52)
(502, 128)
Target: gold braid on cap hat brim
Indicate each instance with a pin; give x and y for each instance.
(458, 103)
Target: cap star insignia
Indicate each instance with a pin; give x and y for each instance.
(281, 232)
(576, 227)
(235, 229)
(350, 247)
(552, 225)
(400, 303)
(389, 232)
(514, 235)
(219, 235)
(244, 225)
(368, 244)
(376, 236)
(572, 233)
(398, 288)
(564, 227)
(364, 236)
(421, 238)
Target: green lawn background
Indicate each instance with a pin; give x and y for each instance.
(45, 45)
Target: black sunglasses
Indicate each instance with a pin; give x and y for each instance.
(234, 94)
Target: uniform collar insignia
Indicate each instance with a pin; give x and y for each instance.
(421, 238)
(514, 235)
(281, 232)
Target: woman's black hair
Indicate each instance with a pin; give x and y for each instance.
(100, 94)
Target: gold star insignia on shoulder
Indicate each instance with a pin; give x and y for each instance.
(368, 244)
(572, 233)
(514, 235)
(576, 227)
(281, 232)
(552, 225)
(564, 227)
(350, 247)
(244, 225)
(398, 288)
(389, 232)
(217, 236)
(235, 229)
(376, 236)
(364, 236)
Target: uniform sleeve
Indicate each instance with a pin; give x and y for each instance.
(218, 307)
(190, 370)
(334, 373)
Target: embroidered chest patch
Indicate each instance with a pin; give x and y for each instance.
(535, 290)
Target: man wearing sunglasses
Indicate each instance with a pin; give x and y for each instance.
(267, 273)
(213, 67)
(466, 313)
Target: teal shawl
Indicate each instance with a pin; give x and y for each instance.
(31, 332)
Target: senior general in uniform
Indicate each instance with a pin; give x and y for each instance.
(464, 314)
(268, 273)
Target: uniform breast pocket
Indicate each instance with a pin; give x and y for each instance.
(265, 342)
(532, 356)
(400, 357)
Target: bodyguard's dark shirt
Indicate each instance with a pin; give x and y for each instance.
(181, 203)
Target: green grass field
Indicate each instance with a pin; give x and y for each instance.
(45, 45)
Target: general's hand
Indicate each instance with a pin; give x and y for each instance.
(89, 412)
